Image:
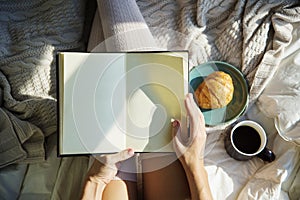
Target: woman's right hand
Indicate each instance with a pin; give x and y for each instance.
(191, 150)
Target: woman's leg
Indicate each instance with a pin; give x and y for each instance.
(166, 183)
(124, 27)
(119, 189)
(169, 182)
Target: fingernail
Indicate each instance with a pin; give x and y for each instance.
(174, 123)
(130, 152)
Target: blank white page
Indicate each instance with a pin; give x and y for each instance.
(90, 121)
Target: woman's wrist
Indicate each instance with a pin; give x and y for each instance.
(198, 180)
(93, 189)
(190, 163)
(97, 180)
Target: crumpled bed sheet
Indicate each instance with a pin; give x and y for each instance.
(278, 106)
(254, 179)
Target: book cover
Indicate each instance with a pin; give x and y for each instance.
(112, 101)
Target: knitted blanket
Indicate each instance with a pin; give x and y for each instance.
(31, 32)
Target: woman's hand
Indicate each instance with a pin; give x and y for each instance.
(190, 150)
(103, 170)
(105, 167)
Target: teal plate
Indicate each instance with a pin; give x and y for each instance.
(240, 98)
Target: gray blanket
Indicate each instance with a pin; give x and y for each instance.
(30, 35)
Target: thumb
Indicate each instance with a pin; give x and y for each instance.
(121, 156)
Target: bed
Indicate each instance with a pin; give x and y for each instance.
(261, 39)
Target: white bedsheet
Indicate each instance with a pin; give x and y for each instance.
(254, 179)
(281, 98)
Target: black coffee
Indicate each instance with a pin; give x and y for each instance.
(246, 139)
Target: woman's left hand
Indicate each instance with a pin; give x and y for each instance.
(105, 167)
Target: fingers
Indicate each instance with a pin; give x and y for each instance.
(121, 156)
(196, 117)
(191, 107)
(190, 112)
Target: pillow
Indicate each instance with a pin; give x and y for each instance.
(281, 98)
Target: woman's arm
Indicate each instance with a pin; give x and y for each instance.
(198, 181)
(190, 151)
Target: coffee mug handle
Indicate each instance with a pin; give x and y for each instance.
(267, 155)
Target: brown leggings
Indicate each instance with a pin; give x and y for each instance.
(167, 183)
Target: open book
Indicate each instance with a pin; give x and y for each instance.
(112, 101)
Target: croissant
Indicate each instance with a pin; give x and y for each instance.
(216, 91)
